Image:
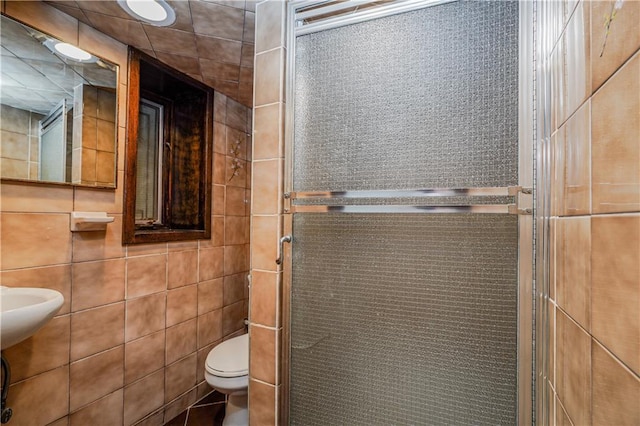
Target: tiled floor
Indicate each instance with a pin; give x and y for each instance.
(207, 412)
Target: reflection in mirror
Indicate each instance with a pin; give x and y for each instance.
(58, 117)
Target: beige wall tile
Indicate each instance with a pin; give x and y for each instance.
(615, 138)
(220, 107)
(235, 259)
(146, 275)
(183, 268)
(105, 168)
(63, 421)
(180, 377)
(268, 77)
(622, 40)
(561, 416)
(264, 234)
(219, 200)
(144, 356)
(104, 200)
(577, 62)
(182, 304)
(97, 283)
(50, 390)
(266, 186)
(14, 169)
(143, 396)
(573, 369)
(14, 120)
(219, 169)
(107, 410)
(99, 245)
(146, 249)
(558, 93)
(211, 263)
(209, 327)
(234, 288)
(577, 159)
(145, 315)
(220, 134)
(94, 377)
(267, 143)
(554, 256)
(264, 288)
(269, 28)
(236, 116)
(234, 230)
(181, 340)
(616, 294)
(262, 400)
(233, 318)
(558, 172)
(15, 145)
(616, 390)
(573, 285)
(202, 358)
(263, 356)
(235, 201)
(236, 171)
(44, 351)
(96, 330)
(154, 419)
(54, 277)
(30, 198)
(210, 295)
(35, 240)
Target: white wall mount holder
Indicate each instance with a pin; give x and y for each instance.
(89, 221)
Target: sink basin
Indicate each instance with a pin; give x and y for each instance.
(25, 311)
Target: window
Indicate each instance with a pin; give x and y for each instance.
(168, 156)
(149, 182)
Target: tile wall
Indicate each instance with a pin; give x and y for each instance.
(19, 143)
(266, 218)
(129, 344)
(594, 354)
(94, 130)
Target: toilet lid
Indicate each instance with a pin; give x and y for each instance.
(230, 358)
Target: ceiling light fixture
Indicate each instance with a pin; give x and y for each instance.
(154, 12)
(69, 51)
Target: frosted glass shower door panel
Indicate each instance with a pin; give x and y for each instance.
(403, 319)
(400, 318)
(424, 99)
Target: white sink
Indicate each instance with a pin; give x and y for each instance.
(25, 311)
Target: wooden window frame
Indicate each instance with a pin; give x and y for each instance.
(135, 234)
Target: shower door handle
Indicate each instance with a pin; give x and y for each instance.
(284, 239)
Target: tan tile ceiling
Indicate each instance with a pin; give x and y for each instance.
(212, 41)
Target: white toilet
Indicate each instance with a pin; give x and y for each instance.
(227, 371)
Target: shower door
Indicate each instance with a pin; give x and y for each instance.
(401, 296)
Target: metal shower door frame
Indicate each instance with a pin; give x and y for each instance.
(526, 359)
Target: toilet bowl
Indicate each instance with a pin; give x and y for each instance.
(227, 371)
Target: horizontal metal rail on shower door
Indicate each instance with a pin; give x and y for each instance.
(502, 191)
(512, 208)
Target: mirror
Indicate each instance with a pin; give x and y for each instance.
(58, 117)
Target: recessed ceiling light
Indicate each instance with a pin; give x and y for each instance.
(69, 51)
(154, 12)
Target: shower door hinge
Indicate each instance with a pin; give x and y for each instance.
(523, 200)
(287, 202)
